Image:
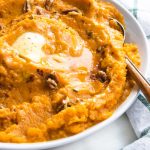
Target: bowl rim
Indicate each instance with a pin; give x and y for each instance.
(89, 131)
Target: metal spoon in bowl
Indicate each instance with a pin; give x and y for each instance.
(135, 73)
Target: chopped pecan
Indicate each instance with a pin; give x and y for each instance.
(101, 76)
(89, 34)
(65, 12)
(40, 11)
(48, 4)
(59, 107)
(40, 72)
(51, 81)
(30, 78)
(101, 49)
(75, 90)
(26, 6)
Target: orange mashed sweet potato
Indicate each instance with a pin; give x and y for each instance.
(62, 67)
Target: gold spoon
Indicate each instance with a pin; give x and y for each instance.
(135, 73)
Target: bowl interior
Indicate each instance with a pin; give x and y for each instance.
(134, 34)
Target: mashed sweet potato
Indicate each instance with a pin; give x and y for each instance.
(62, 67)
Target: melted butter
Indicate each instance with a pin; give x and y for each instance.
(30, 45)
(63, 62)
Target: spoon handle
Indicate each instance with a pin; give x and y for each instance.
(139, 78)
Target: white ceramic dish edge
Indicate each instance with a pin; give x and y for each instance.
(129, 101)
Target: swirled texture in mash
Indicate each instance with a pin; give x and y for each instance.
(62, 67)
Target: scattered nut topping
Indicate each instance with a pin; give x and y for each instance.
(52, 82)
(59, 108)
(67, 102)
(65, 12)
(75, 90)
(101, 76)
(100, 49)
(26, 6)
(30, 78)
(40, 11)
(48, 4)
(62, 105)
(40, 72)
(89, 34)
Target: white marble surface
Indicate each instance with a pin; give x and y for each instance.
(113, 137)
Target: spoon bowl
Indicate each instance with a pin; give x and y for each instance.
(140, 80)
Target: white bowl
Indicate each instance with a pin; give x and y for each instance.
(136, 35)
